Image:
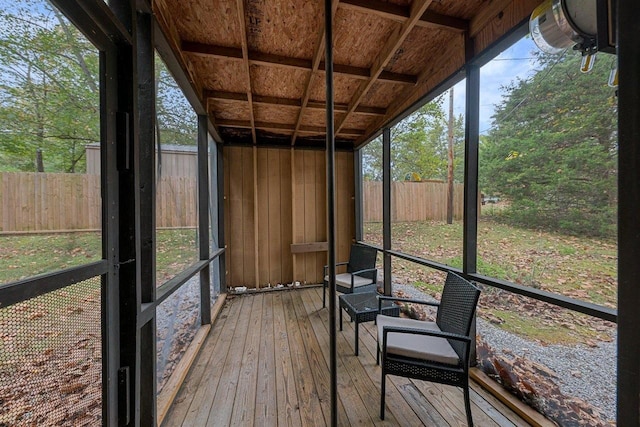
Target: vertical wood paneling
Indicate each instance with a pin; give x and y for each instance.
(310, 210)
(248, 215)
(235, 237)
(320, 176)
(286, 216)
(275, 224)
(263, 217)
(345, 220)
(298, 207)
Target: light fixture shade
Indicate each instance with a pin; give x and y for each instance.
(556, 25)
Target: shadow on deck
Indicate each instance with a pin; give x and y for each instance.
(265, 363)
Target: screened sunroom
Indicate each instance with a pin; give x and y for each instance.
(176, 175)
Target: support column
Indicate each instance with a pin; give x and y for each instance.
(628, 400)
(357, 193)
(221, 242)
(331, 206)
(471, 140)
(386, 208)
(203, 217)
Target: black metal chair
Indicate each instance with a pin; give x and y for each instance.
(361, 272)
(431, 351)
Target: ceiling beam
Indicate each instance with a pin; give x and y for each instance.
(273, 100)
(317, 56)
(393, 43)
(246, 124)
(246, 66)
(259, 58)
(401, 13)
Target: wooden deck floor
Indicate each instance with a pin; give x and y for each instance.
(265, 363)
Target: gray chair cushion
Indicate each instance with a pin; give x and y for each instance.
(344, 279)
(423, 347)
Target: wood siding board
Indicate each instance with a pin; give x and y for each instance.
(310, 212)
(274, 246)
(236, 219)
(298, 211)
(263, 215)
(248, 214)
(320, 174)
(286, 216)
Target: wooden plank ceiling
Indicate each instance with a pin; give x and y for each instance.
(259, 64)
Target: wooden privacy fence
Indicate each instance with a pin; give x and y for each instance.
(412, 201)
(59, 202)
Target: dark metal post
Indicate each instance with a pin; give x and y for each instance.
(144, 172)
(110, 285)
(629, 202)
(471, 139)
(357, 193)
(386, 208)
(331, 202)
(203, 216)
(221, 242)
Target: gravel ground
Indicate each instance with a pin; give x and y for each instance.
(583, 372)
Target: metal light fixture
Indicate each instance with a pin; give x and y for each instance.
(585, 25)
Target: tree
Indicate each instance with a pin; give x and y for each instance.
(552, 149)
(49, 97)
(176, 119)
(418, 146)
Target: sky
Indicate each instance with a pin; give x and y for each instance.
(515, 62)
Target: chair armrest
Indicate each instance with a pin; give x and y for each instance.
(355, 273)
(405, 300)
(387, 329)
(326, 267)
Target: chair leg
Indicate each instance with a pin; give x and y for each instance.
(324, 295)
(382, 393)
(377, 354)
(467, 405)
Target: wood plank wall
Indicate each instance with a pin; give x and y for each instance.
(412, 201)
(280, 200)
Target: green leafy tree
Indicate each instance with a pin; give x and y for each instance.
(49, 98)
(552, 149)
(418, 146)
(176, 119)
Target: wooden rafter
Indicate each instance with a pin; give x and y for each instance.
(247, 67)
(418, 8)
(273, 101)
(492, 11)
(246, 124)
(260, 58)
(401, 13)
(317, 56)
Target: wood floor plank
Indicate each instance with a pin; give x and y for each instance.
(395, 402)
(202, 401)
(367, 386)
(266, 402)
(221, 410)
(310, 409)
(320, 374)
(323, 341)
(244, 403)
(286, 394)
(197, 374)
(265, 363)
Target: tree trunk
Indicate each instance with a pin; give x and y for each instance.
(39, 162)
(450, 161)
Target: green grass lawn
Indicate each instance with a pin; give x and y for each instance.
(29, 255)
(581, 268)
